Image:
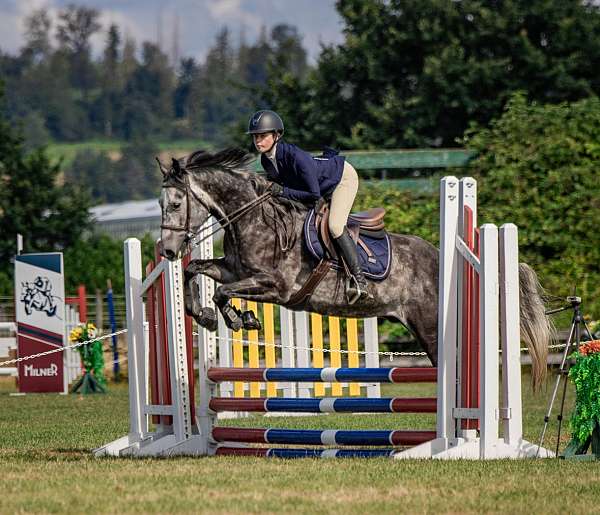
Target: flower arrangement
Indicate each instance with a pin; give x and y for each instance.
(93, 380)
(585, 374)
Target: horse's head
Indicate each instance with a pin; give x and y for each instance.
(207, 183)
(179, 221)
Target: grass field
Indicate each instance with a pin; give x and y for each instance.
(67, 151)
(46, 467)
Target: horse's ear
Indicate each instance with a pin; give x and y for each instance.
(162, 167)
(176, 167)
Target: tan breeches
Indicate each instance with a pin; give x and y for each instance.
(342, 199)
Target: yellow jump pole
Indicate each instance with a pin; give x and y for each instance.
(335, 354)
(316, 326)
(270, 361)
(253, 361)
(238, 353)
(352, 334)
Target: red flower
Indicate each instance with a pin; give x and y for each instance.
(589, 348)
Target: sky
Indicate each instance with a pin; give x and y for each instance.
(198, 21)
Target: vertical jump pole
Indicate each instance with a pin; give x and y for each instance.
(175, 331)
(371, 353)
(207, 348)
(288, 344)
(113, 329)
(447, 309)
(301, 332)
(467, 395)
(135, 339)
(510, 335)
(489, 338)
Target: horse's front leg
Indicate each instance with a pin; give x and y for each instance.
(217, 270)
(261, 287)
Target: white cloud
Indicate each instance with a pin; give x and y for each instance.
(128, 27)
(224, 8)
(12, 21)
(232, 13)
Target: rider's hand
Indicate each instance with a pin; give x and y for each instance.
(276, 189)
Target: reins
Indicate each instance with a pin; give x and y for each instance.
(236, 215)
(228, 219)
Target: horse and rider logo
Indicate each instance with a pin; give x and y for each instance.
(37, 296)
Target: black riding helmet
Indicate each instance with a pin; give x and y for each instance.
(265, 121)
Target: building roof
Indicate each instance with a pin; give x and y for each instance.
(130, 210)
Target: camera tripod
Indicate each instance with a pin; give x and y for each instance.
(572, 344)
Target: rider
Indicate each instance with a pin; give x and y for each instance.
(299, 176)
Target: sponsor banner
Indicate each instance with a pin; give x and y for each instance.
(40, 316)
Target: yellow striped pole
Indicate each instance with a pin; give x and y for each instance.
(253, 361)
(335, 355)
(238, 353)
(269, 325)
(316, 326)
(352, 333)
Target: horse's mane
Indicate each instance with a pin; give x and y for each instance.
(232, 158)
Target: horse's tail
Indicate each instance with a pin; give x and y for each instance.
(537, 331)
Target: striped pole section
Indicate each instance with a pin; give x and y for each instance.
(321, 437)
(304, 453)
(326, 405)
(328, 375)
(352, 339)
(237, 352)
(335, 356)
(270, 360)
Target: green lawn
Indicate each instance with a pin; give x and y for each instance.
(67, 151)
(46, 466)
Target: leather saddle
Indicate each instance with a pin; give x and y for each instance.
(367, 223)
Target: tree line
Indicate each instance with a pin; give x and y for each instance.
(57, 90)
(410, 73)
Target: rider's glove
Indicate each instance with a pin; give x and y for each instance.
(276, 189)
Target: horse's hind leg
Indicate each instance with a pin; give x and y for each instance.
(423, 325)
(426, 334)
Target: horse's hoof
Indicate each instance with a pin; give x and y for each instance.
(251, 323)
(235, 325)
(233, 317)
(207, 318)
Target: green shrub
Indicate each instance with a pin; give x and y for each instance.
(538, 168)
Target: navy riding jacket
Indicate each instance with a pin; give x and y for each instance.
(304, 178)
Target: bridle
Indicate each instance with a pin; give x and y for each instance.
(189, 234)
(228, 219)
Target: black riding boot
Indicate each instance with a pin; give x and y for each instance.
(356, 288)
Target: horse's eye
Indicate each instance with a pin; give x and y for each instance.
(176, 205)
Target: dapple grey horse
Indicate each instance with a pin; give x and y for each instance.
(265, 259)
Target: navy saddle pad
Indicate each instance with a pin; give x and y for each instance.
(377, 268)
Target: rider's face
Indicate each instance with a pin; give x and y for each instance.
(263, 142)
